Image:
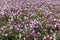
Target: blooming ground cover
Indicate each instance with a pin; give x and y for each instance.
(29, 19)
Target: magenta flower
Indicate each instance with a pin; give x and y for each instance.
(35, 39)
(24, 38)
(49, 24)
(1, 16)
(17, 26)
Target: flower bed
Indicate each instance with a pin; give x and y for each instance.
(29, 20)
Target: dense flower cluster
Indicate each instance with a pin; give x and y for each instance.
(30, 19)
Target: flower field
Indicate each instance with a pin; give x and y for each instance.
(29, 19)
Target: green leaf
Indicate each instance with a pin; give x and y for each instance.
(11, 37)
(58, 36)
(25, 13)
(16, 20)
(58, 11)
(30, 38)
(16, 32)
(1, 22)
(19, 39)
(39, 38)
(48, 16)
(58, 18)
